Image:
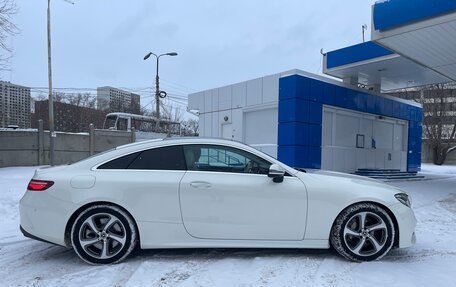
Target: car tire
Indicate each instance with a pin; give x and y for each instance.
(363, 232)
(103, 234)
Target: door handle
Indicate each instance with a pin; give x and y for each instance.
(200, 184)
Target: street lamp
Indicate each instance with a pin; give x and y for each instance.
(157, 83)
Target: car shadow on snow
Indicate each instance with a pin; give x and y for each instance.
(53, 254)
(229, 253)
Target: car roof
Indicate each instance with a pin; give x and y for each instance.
(142, 145)
(182, 140)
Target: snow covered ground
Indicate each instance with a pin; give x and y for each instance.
(431, 262)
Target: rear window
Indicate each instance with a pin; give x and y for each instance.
(121, 162)
(165, 158)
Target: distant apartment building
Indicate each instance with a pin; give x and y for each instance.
(111, 99)
(67, 117)
(14, 105)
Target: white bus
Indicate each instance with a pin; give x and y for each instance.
(126, 121)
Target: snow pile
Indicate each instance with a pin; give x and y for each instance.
(436, 169)
(13, 183)
(431, 262)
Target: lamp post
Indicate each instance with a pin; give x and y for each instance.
(157, 80)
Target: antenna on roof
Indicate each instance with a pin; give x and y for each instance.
(364, 27)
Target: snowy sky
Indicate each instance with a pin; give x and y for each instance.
(102, 42)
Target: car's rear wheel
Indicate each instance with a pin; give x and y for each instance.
(103, 234)
(363, 232)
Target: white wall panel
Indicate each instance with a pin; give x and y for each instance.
(208, 101)
(383, 135)
(398, 143)
(361, 160)
(224, 98)
(271, 88)
(261, 127)
(215, 100)
(327, 128)
(327, 161)
(237, 120)
(215, 125)
(208, 125)
(255, 92)
(346, 130)
(239, 95)
(226, 131)
(379, 159)
(202, 125)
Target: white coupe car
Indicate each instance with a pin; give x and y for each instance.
(204, 193)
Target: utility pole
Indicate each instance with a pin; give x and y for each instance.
(51, 98)
(157, 92)
(52, 133)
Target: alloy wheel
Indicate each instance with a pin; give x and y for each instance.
(102, 235)
(365, 233)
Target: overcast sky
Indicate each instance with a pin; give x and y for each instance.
(102, 42)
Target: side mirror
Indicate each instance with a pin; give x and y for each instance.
(276, 172)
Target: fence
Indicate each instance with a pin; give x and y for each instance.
(31, 147)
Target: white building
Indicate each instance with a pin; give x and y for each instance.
(309, 121)
(14, 105)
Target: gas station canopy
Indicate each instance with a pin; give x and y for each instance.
(413, 44)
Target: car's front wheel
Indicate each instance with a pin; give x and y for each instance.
(363, 232)
(103, 234)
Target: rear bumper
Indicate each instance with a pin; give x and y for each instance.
(407, 222)
(31, 236)
(44, 217)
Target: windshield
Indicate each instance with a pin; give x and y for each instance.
(110, 122)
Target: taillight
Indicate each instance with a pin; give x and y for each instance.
(39, 185)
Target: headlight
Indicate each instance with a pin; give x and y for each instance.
(404, 199)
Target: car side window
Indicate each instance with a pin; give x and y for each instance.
(164, 158)
(223, 159)
(121, 162)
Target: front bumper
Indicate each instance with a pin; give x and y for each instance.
(44, 217)
(406, 221)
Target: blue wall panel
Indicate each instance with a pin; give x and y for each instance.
(396, 110)
(361, 102)
(370, 104)
(301, 101)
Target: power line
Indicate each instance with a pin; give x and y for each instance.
(179, 85)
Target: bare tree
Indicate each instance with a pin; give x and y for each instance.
(85, 100)
(439, 121)
(191, 127)
(7, 29)
(439, 117)
(172, 114)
